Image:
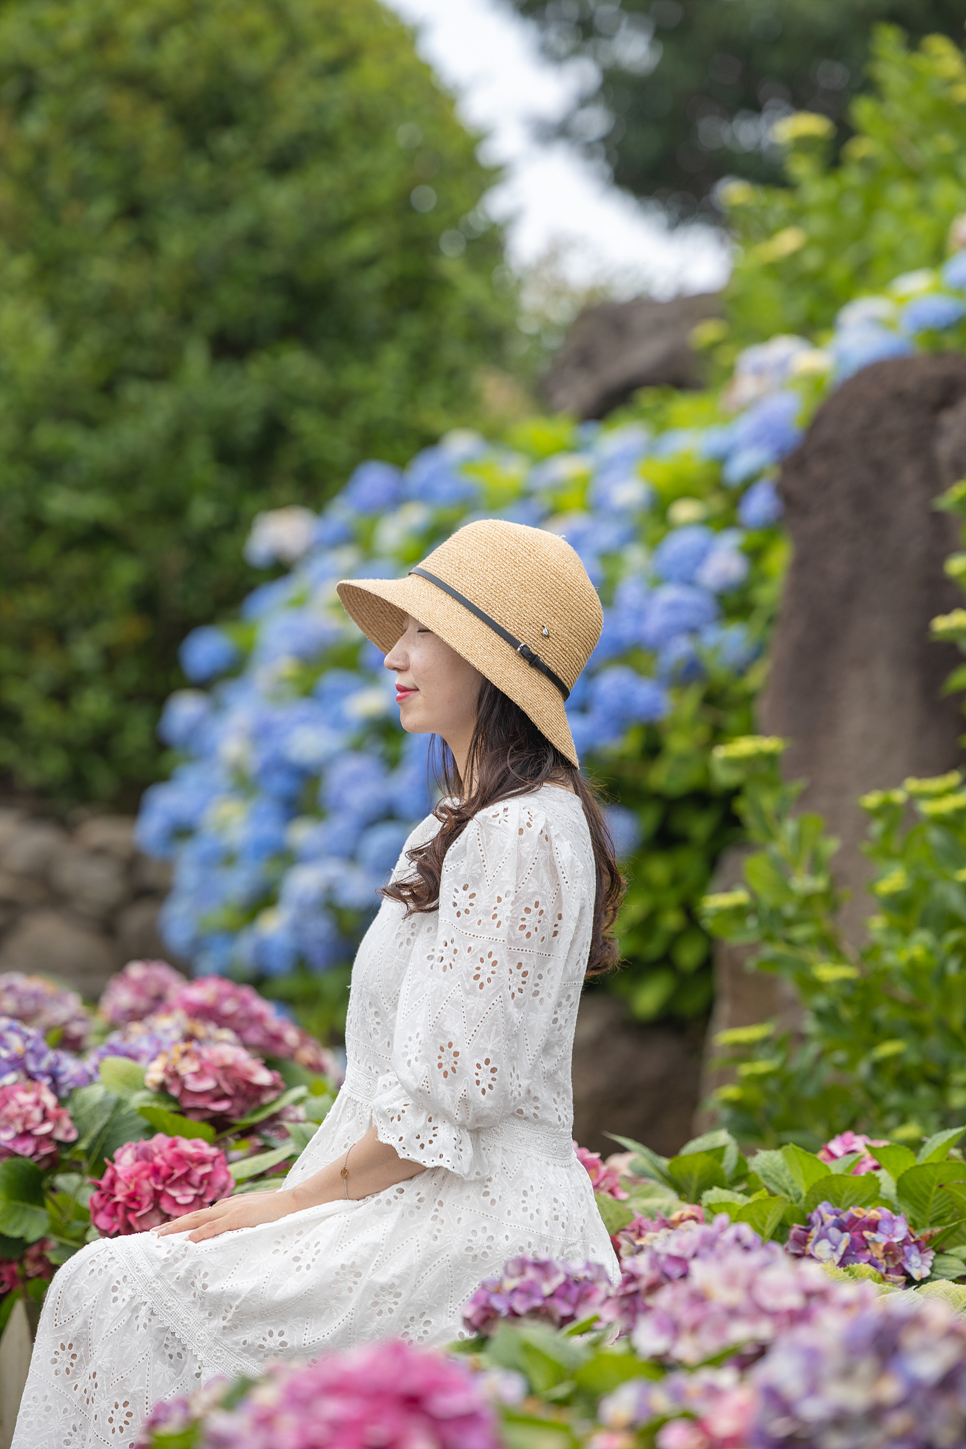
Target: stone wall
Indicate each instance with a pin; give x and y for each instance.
(76, 902)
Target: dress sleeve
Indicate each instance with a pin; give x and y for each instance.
(478, 1017)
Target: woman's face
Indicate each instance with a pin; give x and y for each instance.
(436, 689)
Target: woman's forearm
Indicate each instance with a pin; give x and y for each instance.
(372, 1167)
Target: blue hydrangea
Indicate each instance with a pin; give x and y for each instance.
(676, 609)
(355, 784)
(760, 506)
(763, 435)
(856, 347)
(730, 645)
(185, 714)
(296, 634)
(626, 697)
(954, 272)
(933, 313)
(435, 477)
(724, 568)
(678, 661)
(681, 553)
(379, 847)
(373, 488)
(206, 653)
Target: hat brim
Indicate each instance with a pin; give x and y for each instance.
(380, 606)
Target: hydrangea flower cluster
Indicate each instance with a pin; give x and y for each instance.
(46, 1007)
(872, 1235)
(217, 1080)
(709, 1409)
(848, 1142)
(34, 1264)
(388, 1394)
(698, 1290)
(151, 1182)
(139, 990)
(604, 1178)
(255, 1021)
(295, 792)
(541, 1289)
(33, 1123)
(25, 1056)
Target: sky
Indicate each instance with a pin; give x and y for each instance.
(551, 199)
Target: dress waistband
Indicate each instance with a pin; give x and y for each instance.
(533, 1138)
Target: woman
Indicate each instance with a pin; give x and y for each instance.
(449, 1148)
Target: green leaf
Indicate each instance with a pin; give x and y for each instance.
(174, 1125)
(22, 1211)
(952, 1293)
(945, 1265)
(842, 1166)
(121, 1075)
(253, 1166)
(771, 1166)
(767, 881)
(953, 1236)
(723, 1199)
(294, 1094)
(610, 1367)
(936, 1149)
(652, 1197)
(12, 1248)
(804, 1167)
(842, 1191)
(105, 1122)
(647, 1163)
(301, 1133)
(894, 1158)
(921, 1196)
(764, 1215)
(616, 1215)
(693, 1173)
(730, 1157)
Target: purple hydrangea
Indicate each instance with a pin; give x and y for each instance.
(25, 1056)
(892, 1374)
(872, 1235)
(558, 1293)
(46, 1007)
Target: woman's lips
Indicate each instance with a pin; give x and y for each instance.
(403, 693)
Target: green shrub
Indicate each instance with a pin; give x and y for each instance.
(216, 296)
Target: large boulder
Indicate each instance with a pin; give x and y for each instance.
(855, 683)
(617, 347)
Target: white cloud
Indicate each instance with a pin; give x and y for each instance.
(552, 198)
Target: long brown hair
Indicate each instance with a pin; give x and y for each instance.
(509, 756)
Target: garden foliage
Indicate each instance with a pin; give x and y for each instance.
(689, 94)
(240, 248)
(296, 788)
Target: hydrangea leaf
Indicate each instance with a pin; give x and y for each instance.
(104, 1122)
(936, 1149)
(694, 1173)
(804, 1167)
(254, 1166)
(842, 1192)
(646, 1162)
(764, 1214)
(770, 1166)
(921, 1195)
(22, 1211)
(287, 1099)
(174, 1125)
(895, 1158)
(616, 1215)
(722, 1145)
(121, 1075)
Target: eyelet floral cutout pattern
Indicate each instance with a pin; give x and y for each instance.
(459, 1038)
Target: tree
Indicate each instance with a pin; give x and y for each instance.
(689, 90)
(240, 250)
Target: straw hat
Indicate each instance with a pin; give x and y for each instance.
(514, 601)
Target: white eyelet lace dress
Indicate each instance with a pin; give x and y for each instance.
(459, 1040)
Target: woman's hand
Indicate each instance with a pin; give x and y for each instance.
(248, 1211)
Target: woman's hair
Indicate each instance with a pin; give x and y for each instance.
(509, 756)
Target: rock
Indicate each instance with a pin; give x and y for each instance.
(30, 850)
(137, 933)
(22, 890)
(55, 944)
(10, 823)
(94, 884)
(617, 347)
(111, 834)
(855, 683)
(151, 876)
(632, 1078)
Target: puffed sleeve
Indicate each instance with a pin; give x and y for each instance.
(477, 1023)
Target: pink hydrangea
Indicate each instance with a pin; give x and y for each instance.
(151, 1182)
(33, 1123)
(142, 988)
(847, 1142)
(386, 1394)
(710, 1409)
(217, 1079)
(604, 1178)
(257, 1024)
(34, 1264)
(640, 1231)
(46, 1007)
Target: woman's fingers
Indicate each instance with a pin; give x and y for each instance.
(189, 1220)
